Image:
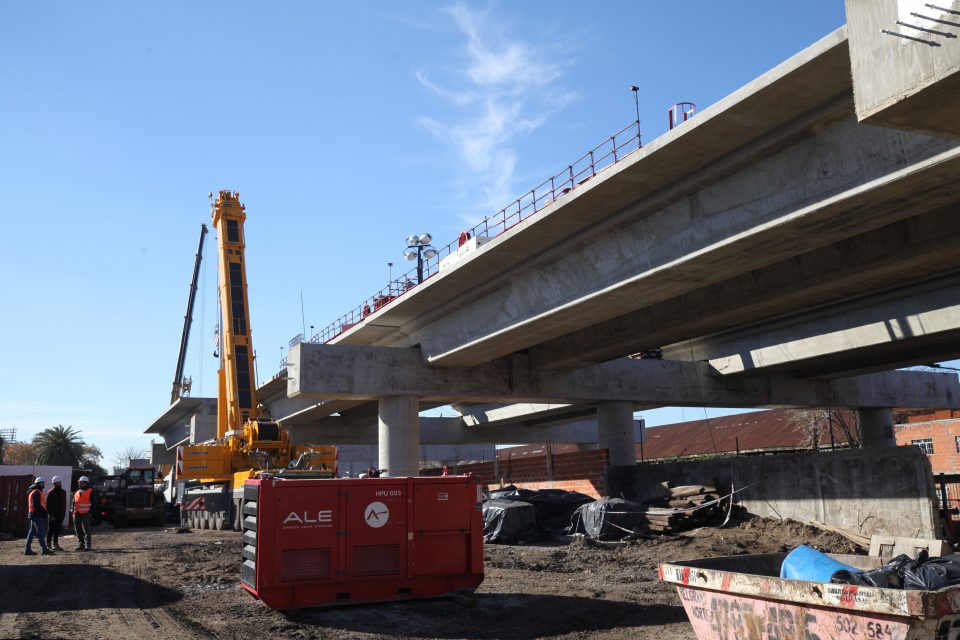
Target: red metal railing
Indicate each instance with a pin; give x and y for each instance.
(604, 155)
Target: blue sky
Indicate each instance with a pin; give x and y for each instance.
(344, 128)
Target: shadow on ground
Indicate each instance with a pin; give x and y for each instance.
(74, 587)
(492, 616)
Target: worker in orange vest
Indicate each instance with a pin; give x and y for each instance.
(82, 506)
(37, 512)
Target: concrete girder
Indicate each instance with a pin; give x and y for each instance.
(776, 175)
(364, 373)
(921, 247)
(912, 325)
(752, 117)
(451, 431)
(318, 410)
(806, 197)
(475, 415)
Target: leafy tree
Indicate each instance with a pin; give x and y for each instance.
(59, 445)
(91, 455)
(91, 460)
(19, 453)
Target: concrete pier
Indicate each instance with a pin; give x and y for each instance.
(399, 435)
(616, 431)
(876, 428)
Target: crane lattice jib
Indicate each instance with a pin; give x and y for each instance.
(236, 353)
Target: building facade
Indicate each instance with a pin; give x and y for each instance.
(937, 434)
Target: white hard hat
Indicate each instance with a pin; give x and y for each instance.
(56, 479)
(39, 479)
(83, 479)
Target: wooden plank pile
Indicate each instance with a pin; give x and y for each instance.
(685, 507)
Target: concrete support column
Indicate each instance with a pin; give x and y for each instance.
(399, 435)
(876, 428)
(615, 431)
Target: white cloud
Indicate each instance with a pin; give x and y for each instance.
(506, 88)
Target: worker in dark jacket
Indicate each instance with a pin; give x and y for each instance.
(57, 508)
(37, 512)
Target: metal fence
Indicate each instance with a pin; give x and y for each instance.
(606, 154)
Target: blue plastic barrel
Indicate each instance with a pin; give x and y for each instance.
(806, 563)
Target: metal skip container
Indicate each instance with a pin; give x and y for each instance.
(742, 597)
(309, 543)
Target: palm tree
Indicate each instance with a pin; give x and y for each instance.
(59, 445)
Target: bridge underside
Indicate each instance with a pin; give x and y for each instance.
(768, 213)
(788, 246)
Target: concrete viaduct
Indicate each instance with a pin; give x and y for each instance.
(790, 245)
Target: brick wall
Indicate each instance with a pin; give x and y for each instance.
(888, 490)
(943, 432)
(577, 471)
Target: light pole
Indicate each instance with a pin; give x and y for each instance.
(418, 248)
(636, 102)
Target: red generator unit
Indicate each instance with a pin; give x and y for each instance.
(310, 543)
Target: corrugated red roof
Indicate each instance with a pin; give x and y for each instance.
(757, 431)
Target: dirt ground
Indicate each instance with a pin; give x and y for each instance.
(155, 583)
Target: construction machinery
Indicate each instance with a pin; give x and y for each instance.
(248, 442)
(311, 543)
(130, 497)
(182, 385)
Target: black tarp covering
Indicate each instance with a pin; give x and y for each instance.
(612, 519)
(554, 506)
(510, 522)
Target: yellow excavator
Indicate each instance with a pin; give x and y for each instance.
(248, 442)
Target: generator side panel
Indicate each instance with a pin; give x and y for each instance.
(375, 535)
(442, 527)
(307, 522)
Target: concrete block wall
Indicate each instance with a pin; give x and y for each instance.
(886, 491)
(580, 471)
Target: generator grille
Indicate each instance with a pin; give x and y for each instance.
(302, 565)
(376, 560)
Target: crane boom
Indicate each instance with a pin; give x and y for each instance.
(187, 320)
(239, 402)
(247, 440)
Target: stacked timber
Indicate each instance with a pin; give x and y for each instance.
(684, 508)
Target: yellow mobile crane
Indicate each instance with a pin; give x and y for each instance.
(248, 441)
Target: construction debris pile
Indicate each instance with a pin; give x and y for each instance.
(685, 507)
(518, 516)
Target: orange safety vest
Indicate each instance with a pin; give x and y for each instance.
(43, 499)
(82, 501)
